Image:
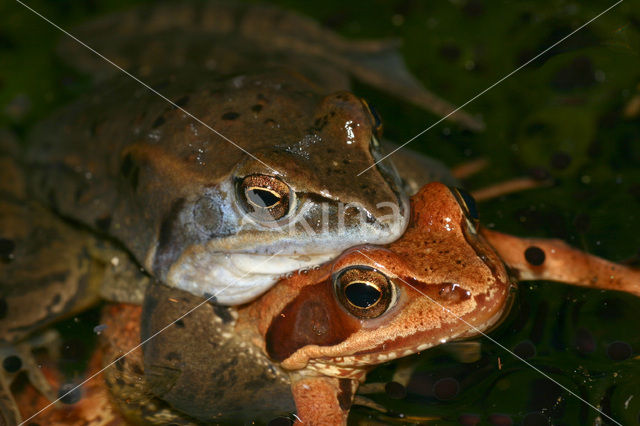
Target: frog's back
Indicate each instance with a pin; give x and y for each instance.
(231, 37)
(220, 36)
(106, 159)
(240, 90)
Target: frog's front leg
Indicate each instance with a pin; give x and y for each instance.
(122, 280)
(322, 400)
(18, 359)
(554, 260)
(403, 370)
(9, 414)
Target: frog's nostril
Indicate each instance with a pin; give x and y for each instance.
(452, 292)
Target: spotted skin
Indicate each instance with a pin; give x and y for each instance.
(277, 342)
(131, 166)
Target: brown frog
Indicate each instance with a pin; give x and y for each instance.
(49, 270)
(313, 337)
(227, 167)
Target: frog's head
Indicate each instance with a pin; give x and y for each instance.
(313, 183)
(440, 281)
(295, 201)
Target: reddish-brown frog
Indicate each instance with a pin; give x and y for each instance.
(322, 330)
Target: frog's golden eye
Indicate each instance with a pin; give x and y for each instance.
(363, 291)
(467, 202)
(266, 198)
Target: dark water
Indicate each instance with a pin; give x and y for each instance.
(569, 115)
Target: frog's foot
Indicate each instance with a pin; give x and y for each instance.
(124, 281)
(9, 413)
(322, 400)
(19, 359)
(509, 187)
(363, 401)
(396, 388)
(555, 260)
(380, 64)
(469, 168)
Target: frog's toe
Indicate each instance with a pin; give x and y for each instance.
(19, 359)
(396, 388)
(363, 401)
(9, 413)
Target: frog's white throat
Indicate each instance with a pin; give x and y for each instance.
(236, 278)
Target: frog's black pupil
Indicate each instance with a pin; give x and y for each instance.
(470, 202)
(262, 197)
(361, 294)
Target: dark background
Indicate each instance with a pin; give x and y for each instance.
(569, 115)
